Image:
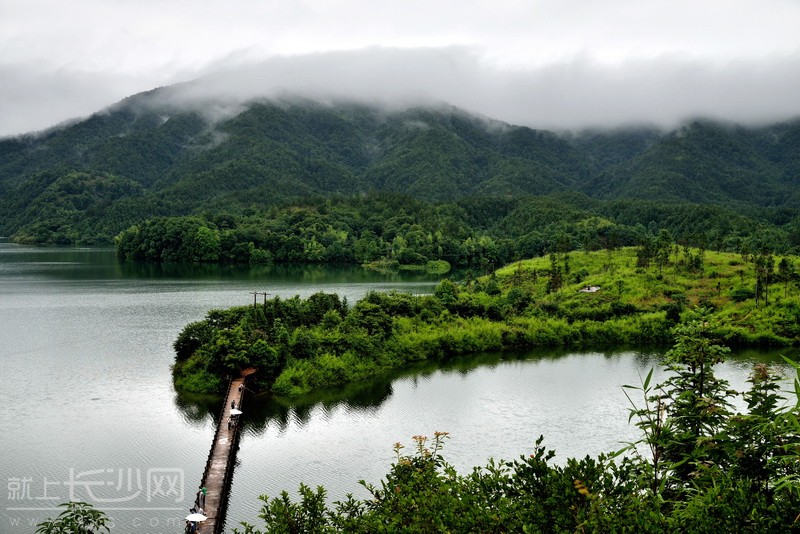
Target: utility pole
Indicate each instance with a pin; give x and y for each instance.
(255, 302)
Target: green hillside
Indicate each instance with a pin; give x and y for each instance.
(707, 163)
(148, 156)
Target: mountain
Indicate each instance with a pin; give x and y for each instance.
(153, 154)
(710, 163)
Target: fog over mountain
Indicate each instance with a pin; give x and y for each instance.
(579, 94)
(556, 65)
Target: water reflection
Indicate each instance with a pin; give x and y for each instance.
(766, 355)
(264, 412)
(303, 273)
(196, 408)
(82, 263)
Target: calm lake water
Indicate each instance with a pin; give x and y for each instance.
(88, 411)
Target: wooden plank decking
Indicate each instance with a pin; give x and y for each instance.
(220, 464)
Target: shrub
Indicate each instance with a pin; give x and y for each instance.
(740, 294)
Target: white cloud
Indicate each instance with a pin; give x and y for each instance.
(33, 100)
(575, 94)
(564, 62)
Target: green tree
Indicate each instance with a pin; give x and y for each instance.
(265, 358)
(786, 274)
(645, 252)
(696, 400)
(230, 348)
(555, 276)
(663, 248)
(281, 515)
(756, 436)
(447, 292)
(206, 245)
(372, 318)
(192, 337)
(77, 518)
(313, 251)
(765, 267)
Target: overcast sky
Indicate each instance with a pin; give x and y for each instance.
(541, 63)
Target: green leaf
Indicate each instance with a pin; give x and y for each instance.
(797, 390)
(647, 380)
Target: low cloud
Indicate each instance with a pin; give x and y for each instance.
(569, 95)
(663, 91)
(32, 100)
(577, 94)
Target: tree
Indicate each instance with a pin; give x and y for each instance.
(447, 292)
(230, 348)
(372, 318)
(765, 266)
(77, 518)
(756, 436)
(645, 252)
(205, 245)
(191, 338)
(786, 273)
(265, 358)
(313, 251)
(556, 279)
(663, 248)
(696, 400)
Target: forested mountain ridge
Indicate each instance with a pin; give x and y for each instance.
(148, 156)
(707, 162)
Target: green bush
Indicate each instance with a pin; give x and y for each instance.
(740, 294)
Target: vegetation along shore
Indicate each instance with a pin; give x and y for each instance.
(627, 297)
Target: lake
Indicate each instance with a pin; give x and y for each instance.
(89, 411)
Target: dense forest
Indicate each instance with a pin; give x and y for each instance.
(150, 156)
(390, 231)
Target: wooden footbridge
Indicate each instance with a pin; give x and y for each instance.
(221, 460)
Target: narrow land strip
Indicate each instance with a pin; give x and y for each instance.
(219, 467)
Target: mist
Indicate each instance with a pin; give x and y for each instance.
(568, 95)
(664, 91)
